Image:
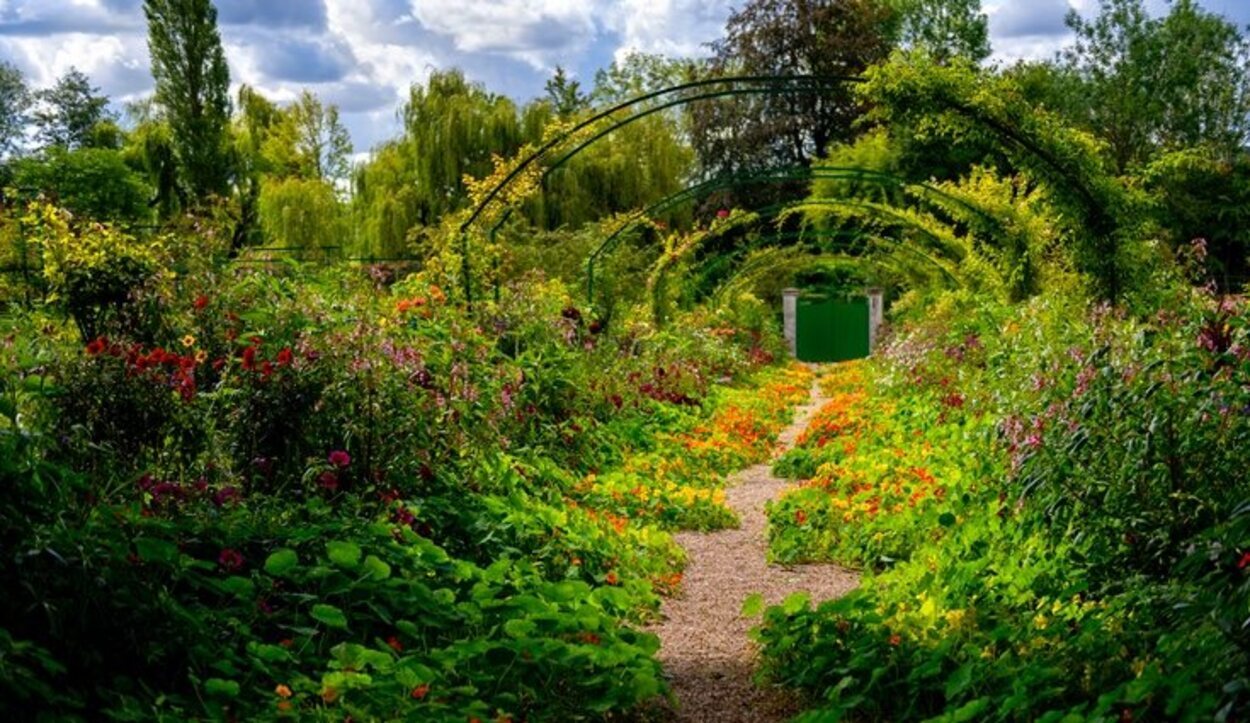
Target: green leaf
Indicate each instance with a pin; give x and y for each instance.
(344, 554)
(795, 603)
(153, 550)
(269, 653)
(221, 688)
(329, 615)
(377, 569)
(753, 605)
(281, 562)
(240, 587)
(519, 628)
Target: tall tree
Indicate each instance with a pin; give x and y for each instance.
(14, 102)
(565, 94)
(638, 73)
(789, 37)
(321, 141)
(944, 28)
(1153, 84)
(192, 88)
(68, 113)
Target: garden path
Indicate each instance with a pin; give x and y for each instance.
(705, 648)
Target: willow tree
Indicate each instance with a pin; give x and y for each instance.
(451, 128)
(302, 213)
(630, 168)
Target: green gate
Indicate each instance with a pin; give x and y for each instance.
(831, 328)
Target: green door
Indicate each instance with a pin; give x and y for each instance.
(831, 329)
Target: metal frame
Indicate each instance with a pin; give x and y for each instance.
(791, 173)
(767, 85)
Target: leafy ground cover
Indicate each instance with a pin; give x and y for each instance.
(1050, 509)
(327, 496)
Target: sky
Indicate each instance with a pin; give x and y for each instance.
(363, 55)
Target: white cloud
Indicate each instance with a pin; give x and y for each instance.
(671, 27)
(533, 31)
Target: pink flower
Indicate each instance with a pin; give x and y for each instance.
(328, 481)
(340, 459)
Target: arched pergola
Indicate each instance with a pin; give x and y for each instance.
(634, 110)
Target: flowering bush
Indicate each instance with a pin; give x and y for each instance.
(1050, 507)
(307, 495)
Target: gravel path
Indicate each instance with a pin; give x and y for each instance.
(706, 651)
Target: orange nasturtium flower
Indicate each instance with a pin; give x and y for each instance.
(611, 578)
(283, 691)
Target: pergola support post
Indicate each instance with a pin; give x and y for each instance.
(876, 315)
(790, 319)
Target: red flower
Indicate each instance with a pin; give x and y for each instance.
(328, 481)
(230, 560)
(611, 578)
(800, 517)
(723, 213)
(340, 459)
(284, 357)
(419, 692)
(395, 644)
(1244, 561)
(895, 640)
(249, 358)
(201, 301)
(97, 346)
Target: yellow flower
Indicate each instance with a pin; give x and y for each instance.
(188, 341)
(201, 356)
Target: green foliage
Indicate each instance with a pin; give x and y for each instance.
(1161, 83)
(302, 213)
(308, 140)
(944, 28)
(94, 270)
(15, 100)
(788, 37)
(565, 94)
(960, 105)
(1046, 497)
(69, 112)
(95, 183)
(317, 496)
(192, 89)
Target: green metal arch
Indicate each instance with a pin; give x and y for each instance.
(792, 173)
(769, 84)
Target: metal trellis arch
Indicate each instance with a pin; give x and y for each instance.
(780, 175)
(732, 86)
